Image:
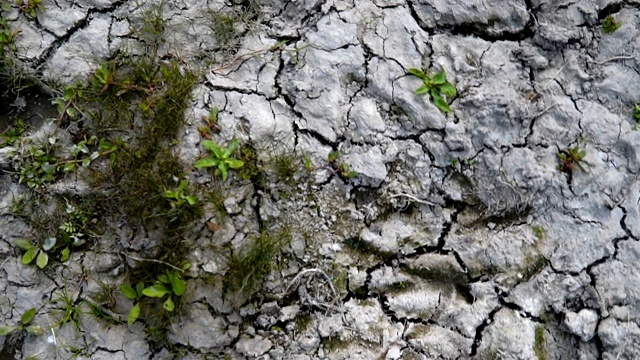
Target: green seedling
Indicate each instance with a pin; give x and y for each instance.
(636, 115)
(25, 320)
(67, 307)
(342, 168)
(538, 230)
(39, 254)
(610, 24)
(30, 7)
(212, 123)
(7, 38)
(220, 158)
(178, 197)
(135, 295)
(66, 104)
(436, 86)
(571, 157)
(12, 136)
(169, 284)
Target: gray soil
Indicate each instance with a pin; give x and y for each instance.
(458, 239)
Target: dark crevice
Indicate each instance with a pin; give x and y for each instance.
(477, 341)
(609, 10)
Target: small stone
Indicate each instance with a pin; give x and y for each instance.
(582, 324)
(253, 347)
(289, 313)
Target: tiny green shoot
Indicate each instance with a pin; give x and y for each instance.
(220, 158)
(436, 86)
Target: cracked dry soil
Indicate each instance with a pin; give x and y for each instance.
(458, 239)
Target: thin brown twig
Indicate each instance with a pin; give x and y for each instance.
(616, 58)
(152, 260)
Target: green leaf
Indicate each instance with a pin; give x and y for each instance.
(30, 255)
(64, 254)
(191, 200)
(168, 305)
(28, 316)
(69, 92)
(422, 89)
(441, 104)
(439, 78)
(211, 146)
(164, 279)
(235, 164)
(128, 291)
(24, 244)
(231, 147)
(157, 290)
(223, 170)
(69, 167)
(171, 194)
(6, 330)
(178, 285)
(448, 90)
(42, 260)
(133, 314)
(419, 73)
(186, 266)
(49, 243)
(140, 289)
(333, 156)
(206, 162)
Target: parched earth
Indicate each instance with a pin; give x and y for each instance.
(464, 235)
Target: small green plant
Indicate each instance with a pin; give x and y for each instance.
(169, 284)
(610, 24)
(66, 103)
(212, 123)
(12, 136)
(30, 7)
(25, 320)
(342, 168)
(67, 307)
(7, 38)
(436, 86)
(37, 253)
(538, 230)
(220, 158)
(178, 197)
(135, 295)
(572, 157)
(636, 116)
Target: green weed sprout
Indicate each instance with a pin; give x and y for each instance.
(610, 24)
(436, 86)
(571, 157)
(39, 254)
(168, 283)
(30, 7)
(25, 320)
(220, 158)
(178, 197)
(636, 113)
(341, 167)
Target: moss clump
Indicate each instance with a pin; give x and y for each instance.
(254, 261)
(538, 347)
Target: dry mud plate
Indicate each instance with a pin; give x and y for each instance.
(365, 179)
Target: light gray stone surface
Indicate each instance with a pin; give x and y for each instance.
(458, 239)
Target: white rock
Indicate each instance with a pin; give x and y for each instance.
(582, 324)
